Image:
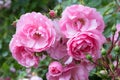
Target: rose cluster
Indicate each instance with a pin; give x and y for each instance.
(34, 33)
(67, 40)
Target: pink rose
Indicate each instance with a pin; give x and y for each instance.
(22, 54)
(64, 76)
(35, 31)
(77, 18)
(59, 49)
(71, 72)
(55, 68)
(85, 43)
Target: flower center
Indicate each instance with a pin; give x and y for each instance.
(82, 21)
(79, 21)
(36, 35)
(54, 70)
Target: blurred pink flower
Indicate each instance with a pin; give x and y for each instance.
(77, 18)
(1, 78)
(12, 69)
(55, 68)
(7, 78)
(36, 78)
(5, 4)
(59, 49)
(35, 31)
(85, 43)
(22, 54)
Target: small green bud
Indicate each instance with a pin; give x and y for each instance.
(89, 57)
(103, 51)
(103, 72)
(113, 29)
(14, 23)
(117, 48)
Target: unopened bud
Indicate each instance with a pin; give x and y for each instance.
(89, 57)
(103, 72)
(52, 13)
(117, 48)
(103, 51)
(14, 23)
(113, 29)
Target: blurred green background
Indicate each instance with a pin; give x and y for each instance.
(9, 68)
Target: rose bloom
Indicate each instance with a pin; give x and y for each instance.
(85, 43)
(77, 18)
(71, 72)
(55, 68)
(35, 31)
(22, 54)
(59, 49)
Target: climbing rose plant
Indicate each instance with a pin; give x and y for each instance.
(74, 42)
